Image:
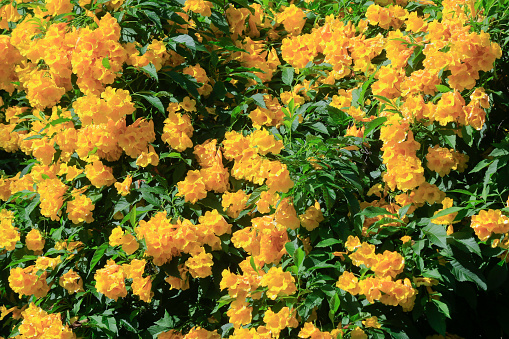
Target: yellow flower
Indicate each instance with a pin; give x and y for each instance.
(25, 281)
(192, 188)
(110, 281)
(405, 239)
(352, 243)
(348, 282)
(372, 322)
(358, 333)
(200, 264)
(188, 104)
(80, 208)
(279, 283)
(99, 174)
(487, 222)
(312, 217)
(34, 240)
(72, 282)
(124, 187)
(129, 244)
(142, 287)
(177, 130)
(43, 263)
(37, 323)
(199, 6)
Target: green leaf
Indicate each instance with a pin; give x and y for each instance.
(33, 137)
(436, 318)
(154, 330)
(125, 324)
(184, 82)
(450, 139)
(258, 99)
(98, 254)
(447, 211)
(154, 101)
(150, 69)
(415, 59)
(287, 76)
(480, 165)
(444, 309)
(290, 248)
(464, 240)
(187, 40)
(298, 258)
(403, 210)
(314, 299)
(106, 63)
(149, 197)
(437, 234)
(374, 124)
(253, 264)
(319, 127)
(465, 271)
(443, 88)
(373, 211)
(220, 90)
(334, 303)
(132, 216)
(155, 18)
(487, 178)
(359, 93)
(328, 242)
(167, 322)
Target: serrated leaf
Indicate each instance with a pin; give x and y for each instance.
(298, 256)
(487, 178)
(186, 40)
(258, 99)
(167, 321)
(184, 82)
(125, 324)
(319, 127)
(290, 248)
(98, 254)
(287, 75)
(447, 211)
(328, 242)
(154, 101)
(437, 234)
(149, 197)
(480, 165)
(464, 271)
(150, 69)
(373, 211)
(156, 329)
(443, 308)
(314, 299)
(374, 124)
(154, 17)
(403, 210)
(435, 318)
(468, 241)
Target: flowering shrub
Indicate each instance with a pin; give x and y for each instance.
(205, 169)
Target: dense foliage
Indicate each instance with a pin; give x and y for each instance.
(254, 169)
